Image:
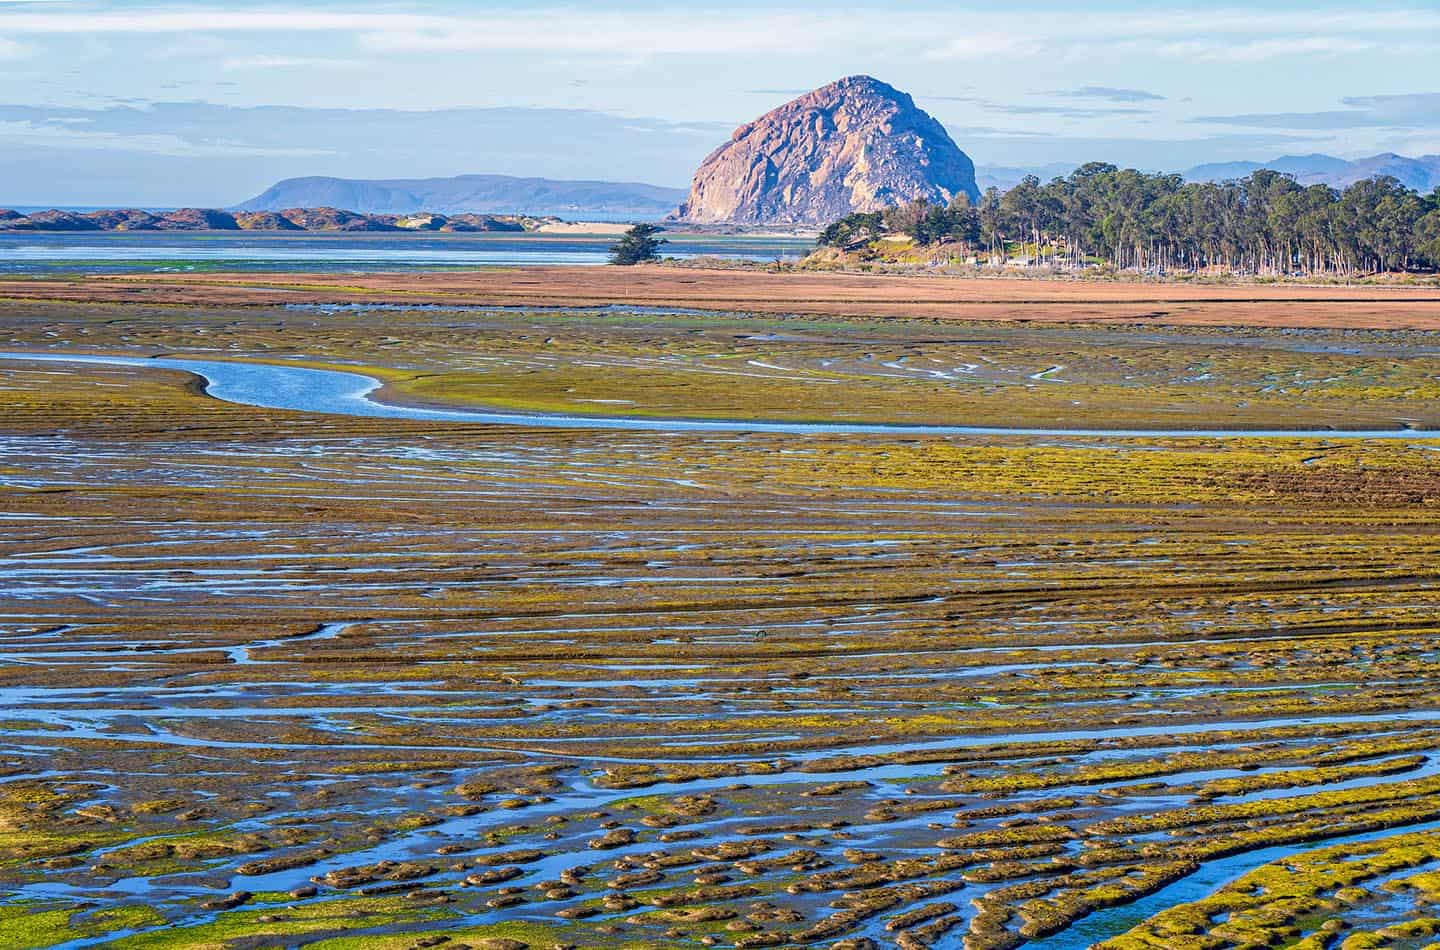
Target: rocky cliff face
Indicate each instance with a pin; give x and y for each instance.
(854, 145)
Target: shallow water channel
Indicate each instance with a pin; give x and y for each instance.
(304, 389)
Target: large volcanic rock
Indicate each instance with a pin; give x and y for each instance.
(854, 145)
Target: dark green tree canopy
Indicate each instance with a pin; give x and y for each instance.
(1265, 223)
(637, 246)
(853, 229)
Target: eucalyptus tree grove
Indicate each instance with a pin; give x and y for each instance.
(1265, 224)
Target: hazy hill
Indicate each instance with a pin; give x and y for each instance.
(1006, 177)
(1421, 174)
(485, 194)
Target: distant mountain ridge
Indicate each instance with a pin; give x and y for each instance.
(1421, 174)
(476, 194)
(1006, 177)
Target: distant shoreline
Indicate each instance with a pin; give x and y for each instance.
(330, 221)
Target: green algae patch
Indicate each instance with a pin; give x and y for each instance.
(25, 926)
(532, 934)
(289, 925)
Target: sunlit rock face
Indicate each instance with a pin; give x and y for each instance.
(854, 145)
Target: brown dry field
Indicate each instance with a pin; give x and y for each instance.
(998, 299)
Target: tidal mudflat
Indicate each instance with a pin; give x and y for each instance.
(278, 678)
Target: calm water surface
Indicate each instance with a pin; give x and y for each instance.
(160, 251)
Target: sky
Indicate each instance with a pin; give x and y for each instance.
(208, 103)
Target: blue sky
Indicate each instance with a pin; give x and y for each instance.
(207, 103)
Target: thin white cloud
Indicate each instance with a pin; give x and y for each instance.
(689, 34)
(551, 30)
(233, 63)
(987, 46)
(698, 31)
(1261, 50)
(180, 20)
(24, 133)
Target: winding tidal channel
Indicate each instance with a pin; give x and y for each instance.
(306, 389)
